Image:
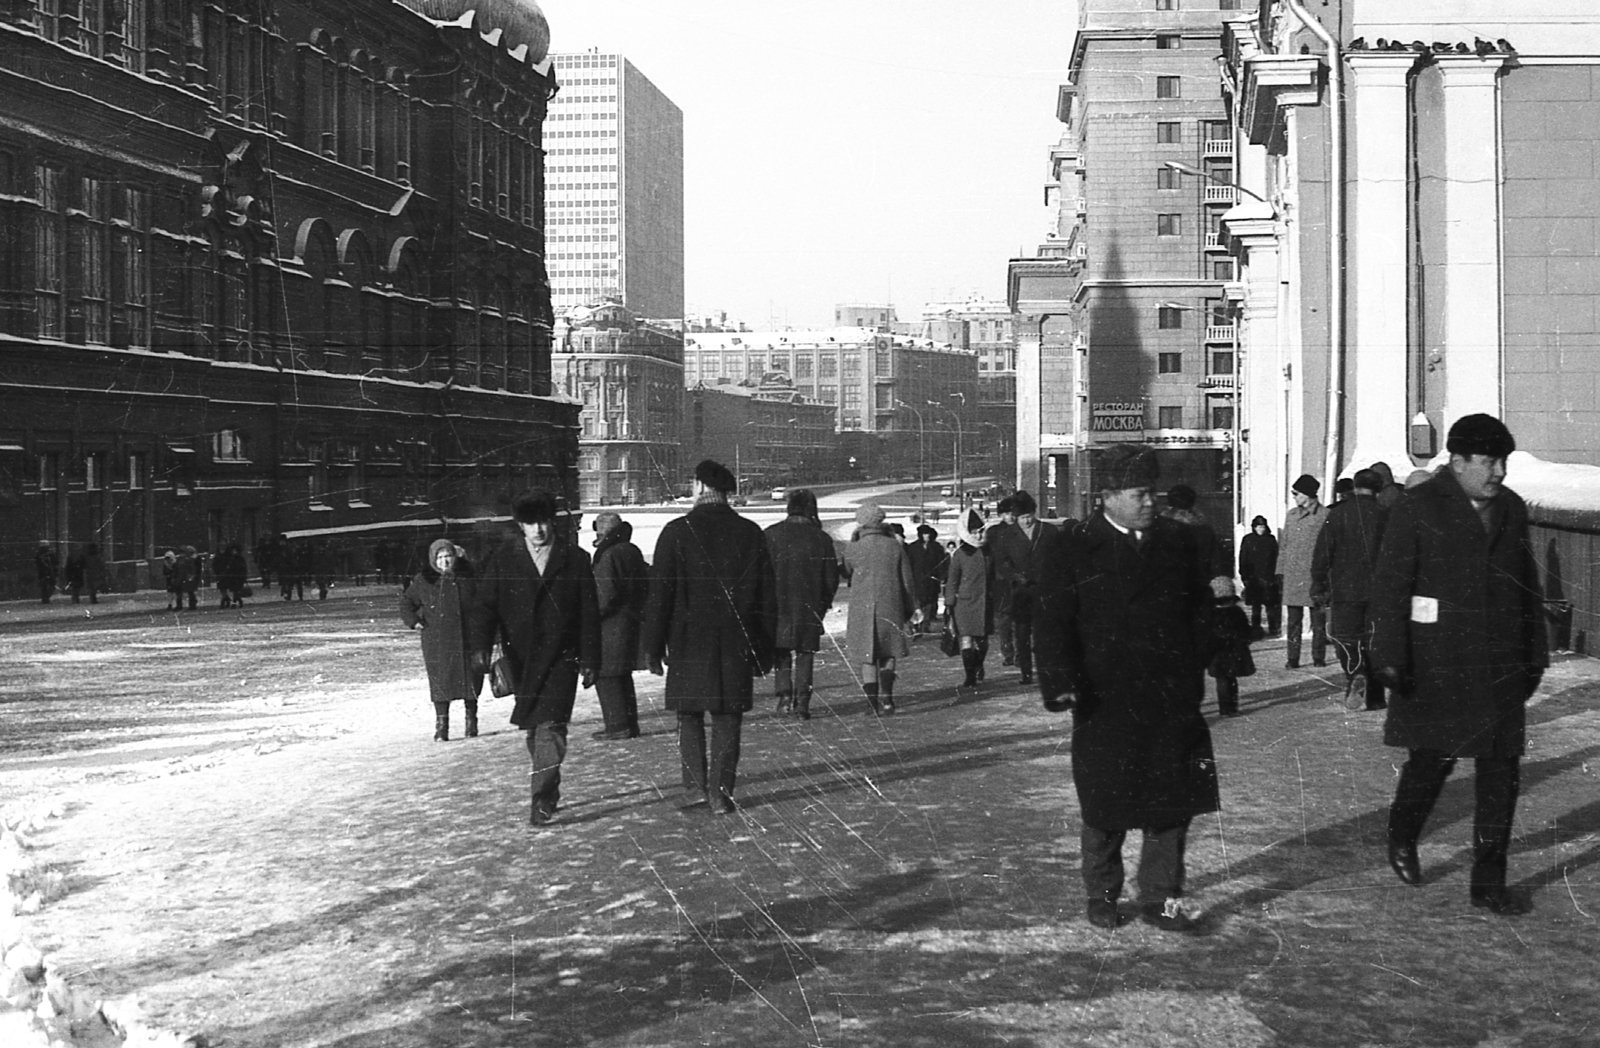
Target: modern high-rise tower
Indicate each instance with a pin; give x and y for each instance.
(614, 185)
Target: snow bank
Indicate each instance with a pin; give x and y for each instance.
(1561, 493)
(39, 1007)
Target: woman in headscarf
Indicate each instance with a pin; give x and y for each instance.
(968, 590)
(435, 603)
(883, 597)
(1258, 567)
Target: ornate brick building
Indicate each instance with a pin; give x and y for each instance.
(270, 267)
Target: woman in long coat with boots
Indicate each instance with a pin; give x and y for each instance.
(969, 592)
(436, 603)
(883, 597)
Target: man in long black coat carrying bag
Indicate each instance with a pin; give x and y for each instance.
(1458, 634)
(536, 594)
(711, 618)
(1120, 631)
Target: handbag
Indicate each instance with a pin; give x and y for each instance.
(501, 682)
(949, 643)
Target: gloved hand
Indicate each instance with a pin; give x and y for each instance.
(1057, 693)
(481, 661)
(656, 667)
(588, 678)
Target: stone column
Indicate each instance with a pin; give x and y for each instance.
(1030, 336)
(1472, 322)
(1376, 250)
(1263, 427)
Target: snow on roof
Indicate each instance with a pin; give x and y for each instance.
(1565, 493)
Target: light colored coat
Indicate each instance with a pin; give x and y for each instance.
(1297, 546)
(883, 594)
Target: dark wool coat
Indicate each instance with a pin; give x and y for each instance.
(928, 565)
(438, 604)
(1013, 551)
(713, 611)
(1230, 640)
(969, 591)
(548, 626)
(1127, 630)
(622, 586)
(805, 564)
(1347, 551)
(1258, 563)
(883, 594)
(1205, 543)
(1470, 672)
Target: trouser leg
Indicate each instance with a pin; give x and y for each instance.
(613, 702)
(1101, 851)
(1291, 633)
(805, 663)
(1161, 863)
(1022, 635)
(547, 745)
(630, 704)
(1255, 616)
(1421, 778)
(471, 729)
(1228, 694)
(1498, 779)
(441, 722)
(783, 678)
(1319, 635)
(724, 764)
(692, 751)
(1004, 626)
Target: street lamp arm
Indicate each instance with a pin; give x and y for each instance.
(1189, 169)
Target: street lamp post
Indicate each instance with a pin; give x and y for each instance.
(1190, 169)
(922, 458)
(961, 483)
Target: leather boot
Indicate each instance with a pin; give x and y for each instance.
(472, 720)
(802, 704)
(886, 690)
(969, 662)
(441, 722)
(785, 702)
(871, 691)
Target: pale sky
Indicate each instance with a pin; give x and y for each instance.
(847, 150)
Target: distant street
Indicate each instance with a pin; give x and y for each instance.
(260, 839)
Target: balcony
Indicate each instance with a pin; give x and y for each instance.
(1221, 195)
(1080, 206)
(1217, 147)
(1221, 332)
(1214, 242)
(1217, 382)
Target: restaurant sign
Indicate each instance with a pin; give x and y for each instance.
(1117, 416)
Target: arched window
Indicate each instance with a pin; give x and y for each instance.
(358, 298)
(314, 324)
(408, 309)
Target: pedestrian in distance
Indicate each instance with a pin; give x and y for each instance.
(622, 586)
(1230, 634)
(186, 578)
(232, 573)
(294, 563)
(170, 580)
(1258, 569)
(712, 621)
(929, 562)
(805, 567)
(1015, 547)
(883, 600)
(72, 576)
(94, 572)
(1341, 580)
(1343, 488)
(1122, 633)
(324, 565)
(969, 590)
(46, 564)
(1297, 544)
(1388, 492)
(436, 603)
(1459, 638)
(267, 552)
(536, 595)
(1004, 518)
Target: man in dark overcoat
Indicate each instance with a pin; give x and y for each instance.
(1014, 546)
(1120, 634)
(536, 594)
(712, 618)
(805, 566)
(1341, 579)
(994, 538)
(1459, 636)
(622, 585)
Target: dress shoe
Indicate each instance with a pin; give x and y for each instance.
(722, 805)
(619, 733)
(1103, 914)
(1319, 663)
(1403, 861)
(1169, 916)
(1027, 678)
(1501, 901)
(1292, 664)
(1232, 711)
(542, 816)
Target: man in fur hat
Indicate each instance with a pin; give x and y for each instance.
(1458, 634)
(536, 594)
(1297, 545)
(1015, 546)
(1120, 634)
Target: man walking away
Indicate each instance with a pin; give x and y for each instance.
(1297, 544)
(1341, 579)
(536, 594)
(1121, 633)
(711, 617)
(805, 565)
(622, 585)
(1459, 636)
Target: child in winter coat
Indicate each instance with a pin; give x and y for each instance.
(436, 603)
(1230, 657)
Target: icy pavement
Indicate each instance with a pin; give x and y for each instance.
(259, 841)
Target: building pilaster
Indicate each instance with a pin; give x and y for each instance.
(1375, 372)
(1261, 461)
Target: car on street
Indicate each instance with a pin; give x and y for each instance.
(780, 494)
(948, 491)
